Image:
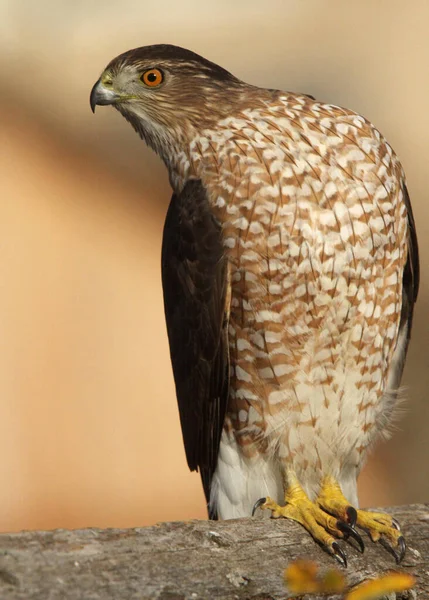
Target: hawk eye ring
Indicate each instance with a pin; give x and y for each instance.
(152, 77)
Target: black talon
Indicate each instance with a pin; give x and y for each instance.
(351, 515)
(395, 524)
(339, 554)
(257, 504)
(402, 546)
(349, 531)
(398, 556)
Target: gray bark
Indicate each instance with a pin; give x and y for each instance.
(191, 560)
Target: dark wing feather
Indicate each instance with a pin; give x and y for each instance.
(410, 288)
(411, 275)
(411, 278)
(194, 279)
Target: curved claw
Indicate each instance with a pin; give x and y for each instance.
(398, 555)
(351, 513)
(339, 554)
(402, 547)
(258, 504)
(349, 531)
(395, 524)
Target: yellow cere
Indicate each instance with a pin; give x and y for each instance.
(106, 79)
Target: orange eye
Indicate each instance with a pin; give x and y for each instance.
(152, 77)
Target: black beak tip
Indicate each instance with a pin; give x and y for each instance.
(93, 97)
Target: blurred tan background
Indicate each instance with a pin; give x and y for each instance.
(89, 430)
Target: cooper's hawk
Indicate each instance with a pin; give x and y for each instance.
(290, 272)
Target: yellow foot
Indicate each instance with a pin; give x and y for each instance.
(324, 527)
(331, 516)
(380, 526)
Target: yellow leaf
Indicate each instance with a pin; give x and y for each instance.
(386, 584)
(304, 577)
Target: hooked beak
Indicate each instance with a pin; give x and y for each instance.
(102, 95)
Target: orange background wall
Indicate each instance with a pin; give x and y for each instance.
(89, 431)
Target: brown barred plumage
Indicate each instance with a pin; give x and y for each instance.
(310, 300)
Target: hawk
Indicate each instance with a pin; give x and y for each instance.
(290, 272)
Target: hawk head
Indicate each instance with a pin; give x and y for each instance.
(167, 93)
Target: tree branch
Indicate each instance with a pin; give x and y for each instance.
(197, 559)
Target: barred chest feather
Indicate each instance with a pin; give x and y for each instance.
(314, 225)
